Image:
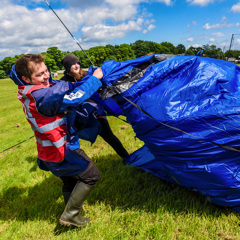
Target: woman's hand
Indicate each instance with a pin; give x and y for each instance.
(98, 73)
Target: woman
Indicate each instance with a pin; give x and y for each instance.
(74, 73)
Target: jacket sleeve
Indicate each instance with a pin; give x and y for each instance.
(49, 100)
(55, 99)
(81, 92)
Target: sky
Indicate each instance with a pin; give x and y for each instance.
(32, 27)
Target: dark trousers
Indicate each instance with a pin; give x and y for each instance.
(108, 136)
(90, 176)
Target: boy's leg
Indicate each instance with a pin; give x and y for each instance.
(68, 186)
(86, 180)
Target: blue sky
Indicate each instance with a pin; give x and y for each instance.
(31, 27)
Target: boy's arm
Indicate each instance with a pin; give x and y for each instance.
(81, 92)
(55, 99)
(49, 100)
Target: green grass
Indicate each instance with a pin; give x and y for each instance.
(127, 203)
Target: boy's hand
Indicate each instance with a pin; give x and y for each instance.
(98, 73)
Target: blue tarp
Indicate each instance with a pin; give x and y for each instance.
(200, 98)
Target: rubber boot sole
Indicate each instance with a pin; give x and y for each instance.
(68, 224)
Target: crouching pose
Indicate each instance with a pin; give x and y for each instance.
(52, 108)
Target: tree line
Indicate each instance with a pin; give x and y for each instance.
(118, 53)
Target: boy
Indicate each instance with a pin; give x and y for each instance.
(45, 103)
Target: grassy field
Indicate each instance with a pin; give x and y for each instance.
(127, 203)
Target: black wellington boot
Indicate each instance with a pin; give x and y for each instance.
(72, 214)
(66, 196)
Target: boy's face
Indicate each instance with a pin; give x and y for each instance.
(40, 75)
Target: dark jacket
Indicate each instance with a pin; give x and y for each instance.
(68, 78)
(69, 98)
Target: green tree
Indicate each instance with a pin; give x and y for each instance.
(156, 48)
(7, 63)
(99, 54)
(113, 48)
(124, 52)
(212, 51)
(50, 62)
(57, 55)
(193, 50)
(233, 53)
(181, 49)
(171, 47)
(2, 74)
(164, 50)
(114, 52)
(140, 48)
(190, 52)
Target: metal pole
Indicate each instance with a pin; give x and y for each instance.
(69, 32)
(230, 46)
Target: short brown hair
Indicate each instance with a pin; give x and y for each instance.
(23, 66)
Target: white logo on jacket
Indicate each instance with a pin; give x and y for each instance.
(75, 95)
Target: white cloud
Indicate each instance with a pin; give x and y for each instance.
(83, 3)
(196, 45)
(123, 3)
(93, 22)
(212, 39)
(101, 32)
(167, 2)
(218, 34)
(94, 15)
(24, 30)
(194, 23)
(190, 39)
(200, 2)
(222, 24)
(149, 28)
(236, 8)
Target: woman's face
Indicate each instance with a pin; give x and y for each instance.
(75, 68)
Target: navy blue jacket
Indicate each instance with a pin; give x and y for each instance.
(70, 98)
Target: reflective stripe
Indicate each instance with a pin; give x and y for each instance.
(26, 103)
(27, 100)
(48, 143)
(26, 89)
(52, 147)
(47, 127)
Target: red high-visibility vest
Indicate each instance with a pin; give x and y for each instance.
(50, 132)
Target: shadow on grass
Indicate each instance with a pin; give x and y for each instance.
(121, 186)
(32, 160)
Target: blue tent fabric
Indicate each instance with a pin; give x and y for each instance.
(193, 101)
